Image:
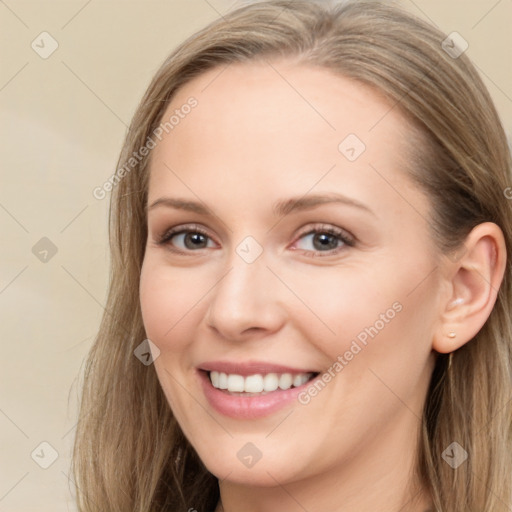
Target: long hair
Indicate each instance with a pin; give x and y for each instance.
(129, 452)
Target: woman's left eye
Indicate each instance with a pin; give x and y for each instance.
(324, 240)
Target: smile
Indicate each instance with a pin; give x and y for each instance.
(252, 390)
(258, 383)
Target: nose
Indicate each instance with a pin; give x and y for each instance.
(247, 301)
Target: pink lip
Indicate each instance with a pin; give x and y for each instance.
(249, 407)
(250, 368)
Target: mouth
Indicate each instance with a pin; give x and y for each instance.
(253, 395)
(258, 384)
(252, 390)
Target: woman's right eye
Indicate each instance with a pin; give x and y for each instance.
(184, 240)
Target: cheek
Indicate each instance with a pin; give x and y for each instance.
(170, 300)
(381, 343)
(340, 304)
(370, 310)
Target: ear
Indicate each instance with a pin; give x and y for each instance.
(473, 280)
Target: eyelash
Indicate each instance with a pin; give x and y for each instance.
(344, 237)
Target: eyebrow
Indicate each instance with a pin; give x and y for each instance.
(307, 202)
(280, 208)
(180, 204)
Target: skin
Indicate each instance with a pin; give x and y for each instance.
(264, 132)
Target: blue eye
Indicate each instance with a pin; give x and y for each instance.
(324, 240)
(187, 239)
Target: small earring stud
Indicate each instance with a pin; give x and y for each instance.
(451, 334)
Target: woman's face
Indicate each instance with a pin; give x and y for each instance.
(296, 251)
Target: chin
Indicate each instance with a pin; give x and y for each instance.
(253, 463)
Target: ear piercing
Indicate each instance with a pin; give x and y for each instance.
(457, 301)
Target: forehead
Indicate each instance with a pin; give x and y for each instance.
(283, 125)
(261, 98)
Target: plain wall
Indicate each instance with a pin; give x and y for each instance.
(63, 121)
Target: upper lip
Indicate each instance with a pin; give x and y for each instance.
(249, 367)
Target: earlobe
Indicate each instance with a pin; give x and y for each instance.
(474, 281)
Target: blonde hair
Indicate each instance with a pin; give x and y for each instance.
(129, 453)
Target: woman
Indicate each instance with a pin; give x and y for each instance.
(310, 296)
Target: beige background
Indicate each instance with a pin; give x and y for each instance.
(62, 124)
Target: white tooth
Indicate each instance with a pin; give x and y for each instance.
(235, 383)
(270, 382)
(253, 384)
(257, 383)
(305, 377)
(285, 381)
(223, 381)
(297, 380)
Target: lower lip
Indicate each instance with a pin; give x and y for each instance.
(250, 407)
